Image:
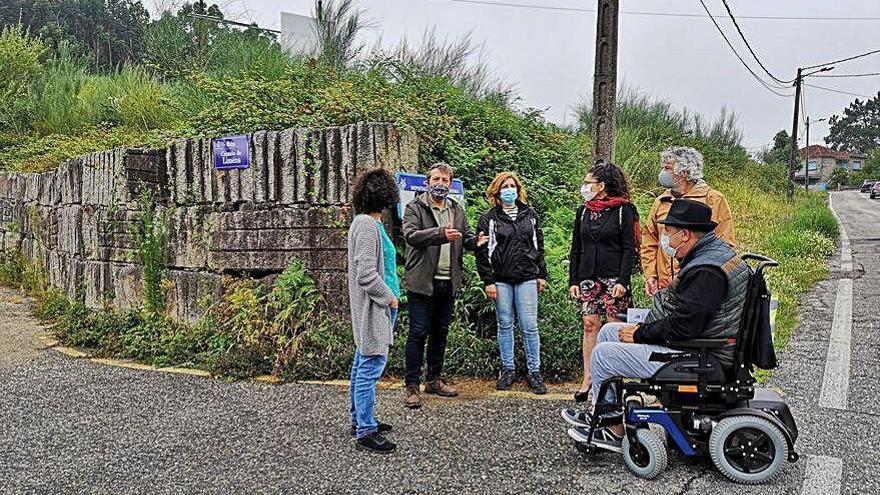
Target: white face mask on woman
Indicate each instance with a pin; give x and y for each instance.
(587, 192)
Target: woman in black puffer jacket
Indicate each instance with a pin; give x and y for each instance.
(512, 267)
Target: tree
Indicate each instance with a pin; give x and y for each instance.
(20, 58)
(107, 32)
(858, 129)
(779, 152)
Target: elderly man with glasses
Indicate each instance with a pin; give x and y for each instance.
(681, 173)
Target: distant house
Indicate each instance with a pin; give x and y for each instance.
(298, 34)
(821, 163)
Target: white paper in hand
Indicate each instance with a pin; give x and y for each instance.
(636, 315)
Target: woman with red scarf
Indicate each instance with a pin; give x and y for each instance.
(603, 255)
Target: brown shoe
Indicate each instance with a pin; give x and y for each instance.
(441, 388)
(412, 398)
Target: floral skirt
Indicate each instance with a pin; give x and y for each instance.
(596, 298)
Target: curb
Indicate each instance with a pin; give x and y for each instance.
(51, 343)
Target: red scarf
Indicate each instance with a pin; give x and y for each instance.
(600, 205)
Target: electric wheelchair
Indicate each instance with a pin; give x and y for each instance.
(747, 431)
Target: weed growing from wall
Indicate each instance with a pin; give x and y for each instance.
(152, 236)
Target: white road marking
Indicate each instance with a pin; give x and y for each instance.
(835, 382)
(823, 475)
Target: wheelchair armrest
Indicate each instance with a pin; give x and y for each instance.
(665, 357)
(701, 343)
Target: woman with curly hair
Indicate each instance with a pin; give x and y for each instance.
(603, 255)
(373, 289)
(513, 270)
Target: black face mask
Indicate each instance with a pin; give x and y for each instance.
(438, 191)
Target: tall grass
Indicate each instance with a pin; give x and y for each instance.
(462, 61)
(71, 101)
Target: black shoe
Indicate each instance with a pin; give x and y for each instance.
(383, 428)
(375, 442)
(536, 383)
(507, 379)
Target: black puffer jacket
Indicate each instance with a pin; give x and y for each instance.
(515, 251)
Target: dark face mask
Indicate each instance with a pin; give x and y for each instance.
(438, 191)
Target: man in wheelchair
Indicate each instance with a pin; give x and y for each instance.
(686, 354)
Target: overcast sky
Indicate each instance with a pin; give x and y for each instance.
(548, 55)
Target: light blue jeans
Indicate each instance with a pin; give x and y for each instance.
(611, 358)
(522, 300)
(365, 373)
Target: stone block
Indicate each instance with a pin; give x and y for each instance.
(97, 282)
(259, 155)
(287, 166)
(128, 286)
(273, 166)
(190, 229)
(192, 293)
(285, 218)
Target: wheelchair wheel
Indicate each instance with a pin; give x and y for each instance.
(646, 459)
(747, 449)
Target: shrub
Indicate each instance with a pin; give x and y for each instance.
(20, 55)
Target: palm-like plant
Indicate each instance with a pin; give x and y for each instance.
(337, 24)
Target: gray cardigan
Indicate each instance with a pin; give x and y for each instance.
(368, 294)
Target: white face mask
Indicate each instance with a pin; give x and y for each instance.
(587, 192)
(664, 244)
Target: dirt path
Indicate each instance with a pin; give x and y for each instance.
(18, 330)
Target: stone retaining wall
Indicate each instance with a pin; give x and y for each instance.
(78, 220)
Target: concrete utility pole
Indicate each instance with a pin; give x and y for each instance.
(792, 156)
(605, 81)
(807, 154)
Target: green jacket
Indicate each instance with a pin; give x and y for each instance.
(423, 240)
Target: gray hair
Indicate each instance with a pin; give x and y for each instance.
(685, 159)
(442, 167)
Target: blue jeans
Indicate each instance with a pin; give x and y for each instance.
(365, 373)
(611, 358)
(521, 299)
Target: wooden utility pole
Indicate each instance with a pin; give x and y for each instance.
(605, 81)
(792, 156)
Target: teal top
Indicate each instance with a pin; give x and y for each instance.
(389, 253)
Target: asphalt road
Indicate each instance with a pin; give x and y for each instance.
(74, 426)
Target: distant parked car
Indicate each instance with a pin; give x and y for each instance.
(868, 185)
(875, 190)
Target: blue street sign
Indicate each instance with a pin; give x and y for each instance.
(231, 152)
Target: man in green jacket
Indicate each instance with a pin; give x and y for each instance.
(436, 231)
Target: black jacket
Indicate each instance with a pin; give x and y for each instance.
(607, 250)
(517, 247)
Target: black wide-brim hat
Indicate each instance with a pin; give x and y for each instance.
(689, 214)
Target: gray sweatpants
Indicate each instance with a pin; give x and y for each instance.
(611, 358)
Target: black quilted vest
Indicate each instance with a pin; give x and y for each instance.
(725, 323)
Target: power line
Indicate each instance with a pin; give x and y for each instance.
(844, 59)
(660, 14)
(743, 62)
(837, 91)
(746, 41)
(866, 74)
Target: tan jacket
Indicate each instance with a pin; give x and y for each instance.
(655, 262)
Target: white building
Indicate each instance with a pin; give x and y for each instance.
(298, 34)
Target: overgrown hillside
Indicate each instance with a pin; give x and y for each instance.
(60, 108)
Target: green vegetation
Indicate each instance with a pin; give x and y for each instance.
(461, 115)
